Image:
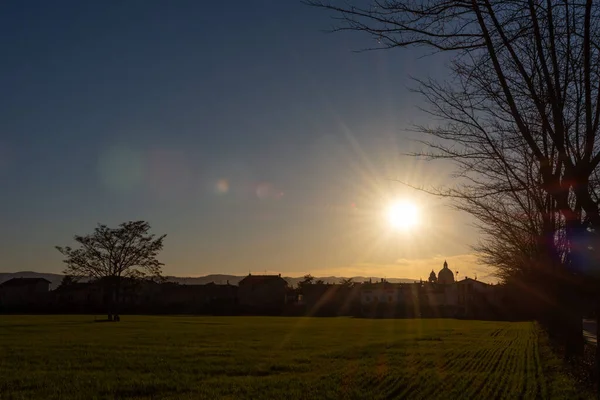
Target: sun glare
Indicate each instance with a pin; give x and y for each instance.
(403, 215)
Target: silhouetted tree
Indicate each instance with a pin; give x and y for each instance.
(524, 75)
(66, 281)
(320, 282)
(307, 280)
(348, 282)
(112, 254)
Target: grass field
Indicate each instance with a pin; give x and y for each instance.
(72, 357)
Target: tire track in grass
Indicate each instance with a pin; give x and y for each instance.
(410, 380)
(396, 386)
(412, 391)
(503, 375)
(453, 360)
(485, 369)
(397, 379)
(522, 379)
(526, 367)
(546, 387)
(530, 379)
(376, 375)
(458, 355)
(495, 359)
(460, 383)
(350, 374)
(515, 375)
(479, 364)
(472, 355)
(538, 384)
(424, 383)
(541, 386)
(499, 377)
(527, 376)
(472, 367)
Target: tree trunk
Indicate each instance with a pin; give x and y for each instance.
(597, 377)
(109, 298)
(574, 336)
(571, 284)
(572, 321)
(117, 318)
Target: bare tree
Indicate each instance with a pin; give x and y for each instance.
(66, 282)
(110, 255)
(348, 282)
(530, 67)
(524, 75)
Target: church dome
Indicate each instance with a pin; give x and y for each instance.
(432, 277)
(445, 275)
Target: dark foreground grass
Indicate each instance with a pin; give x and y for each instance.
(71, 357)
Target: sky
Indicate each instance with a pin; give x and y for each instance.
(256, 141)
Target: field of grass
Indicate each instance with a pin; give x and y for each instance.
(72, 357)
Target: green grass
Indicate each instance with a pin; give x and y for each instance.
(71, 357)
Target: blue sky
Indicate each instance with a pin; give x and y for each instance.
(253, 139)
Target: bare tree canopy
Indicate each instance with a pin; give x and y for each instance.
(128, 251)
(524, 70)
(111, 254)
(519, 114)
(348, 282)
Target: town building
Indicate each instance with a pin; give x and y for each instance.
(207, 298)
(325, 299)
(441, 296)
(445, 276)
(262, 292)
(23, 293)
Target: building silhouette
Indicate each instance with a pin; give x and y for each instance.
(438, 297)
(445, 276)
(23, 293)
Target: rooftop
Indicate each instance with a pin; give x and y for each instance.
(23, 282)
(253, 279)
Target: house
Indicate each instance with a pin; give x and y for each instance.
(262, 292)
(211, 298)
(23, 293)
(380, 293)
(386, 299)
(441, 296)
(221, 295)
(438, 300)
(329, 299)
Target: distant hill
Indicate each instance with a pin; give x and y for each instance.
(200, 280)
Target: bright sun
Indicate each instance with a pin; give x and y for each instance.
(403, 215)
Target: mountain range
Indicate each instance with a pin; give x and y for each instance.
(199, 280)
